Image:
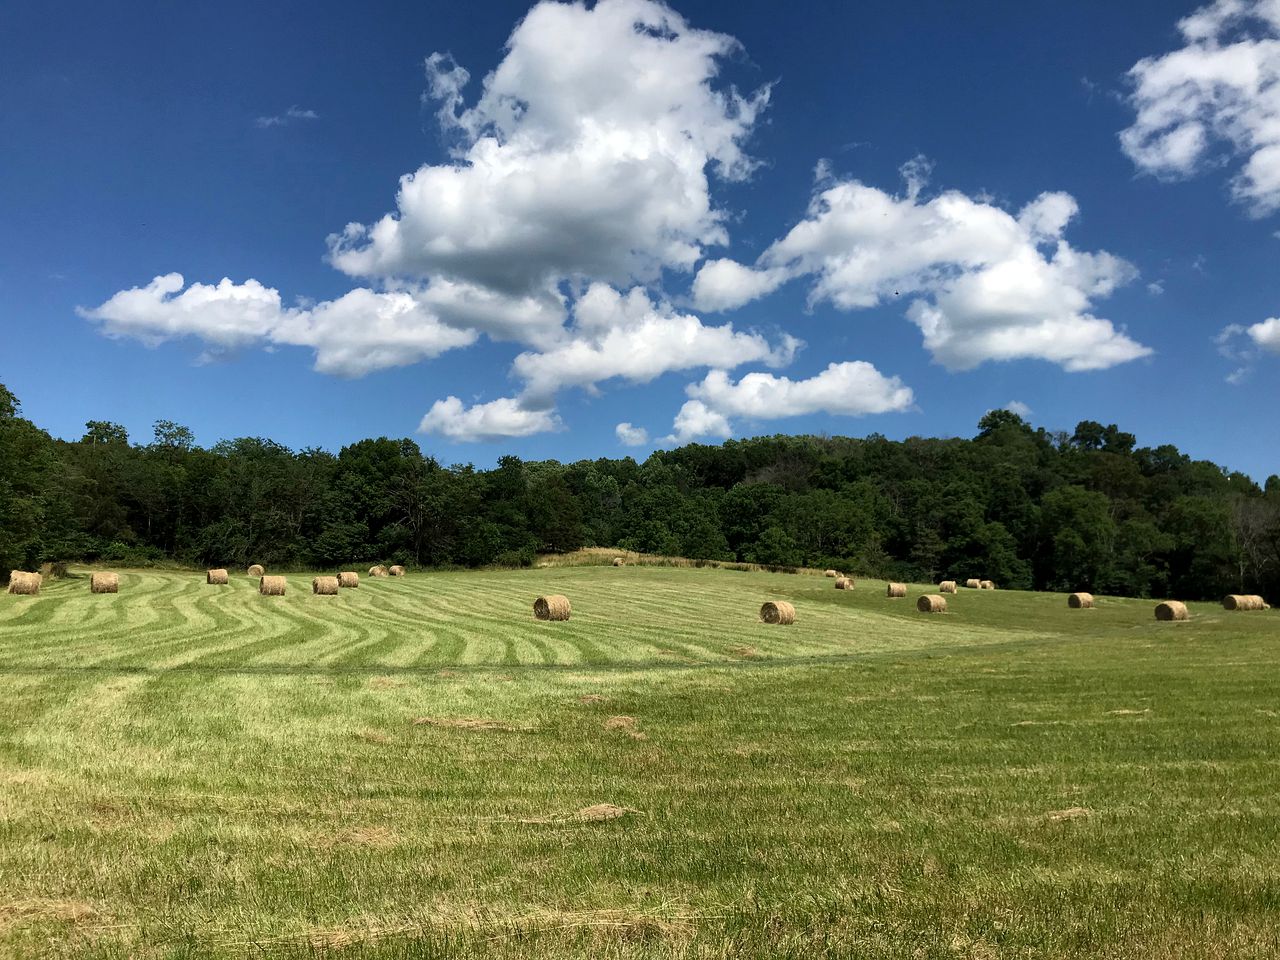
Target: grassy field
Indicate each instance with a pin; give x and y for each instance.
(417, 768)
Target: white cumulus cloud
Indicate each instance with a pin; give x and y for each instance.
(495, 420)
(854, 389)
(1217, 96)
(360, 332)
(1267, 334)
(225, 314)
(987, 284)
(587, 154)
(631, 337)
(628, 337)
(695, 419)
(631, 436)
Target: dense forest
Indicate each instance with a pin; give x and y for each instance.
(1022, 506)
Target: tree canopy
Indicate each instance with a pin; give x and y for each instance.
(1018, 505)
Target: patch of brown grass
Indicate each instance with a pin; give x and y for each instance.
(590, 698)
(610, 924)
(1128, 713)
(379, 838)
(1071, 813)
(469, 723)
(628, 725)
(596, 813)
(374, 736)
(18, 913)
(385, 683)
(745, 653)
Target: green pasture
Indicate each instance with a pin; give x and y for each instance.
(418, 768)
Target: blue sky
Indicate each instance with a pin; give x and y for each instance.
(903, 217)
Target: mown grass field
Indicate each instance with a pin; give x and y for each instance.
(190, 771)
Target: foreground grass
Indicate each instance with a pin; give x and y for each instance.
(191, 771)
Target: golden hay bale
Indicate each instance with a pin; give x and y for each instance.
(932, 603)
(844, 583)
(27, 584)
(1172, 610)
(1236, 601)
(396, 571)
(323, 586)
(348, 578)
(217, 577)
(553, 607)
(947, 586)
(831, 573)
(256, 570)
(104, 583)
(1080, 601)
(986, 585)
(973, 584)
(271, 586)
(897, 590)
(779, 612)
(378, 571)
(618, 562)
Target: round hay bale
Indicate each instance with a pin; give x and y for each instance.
(396, 570)
(324, 586)
(26, 584)
(947, 586)
(552, 607)
(104, 583)
(348, 578)
(986, 585)
(831, 573)
(256, 570)
(271, 586)
(844, 583)
(932, 603)
(973, 584)
(1080, 601)
(779, 612)
(896, 590)
(217, 577)
(1172, 610)
(619, 562)
(1236, 601)
(378, 571)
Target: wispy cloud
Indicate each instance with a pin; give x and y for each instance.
(286, 118)
(1018, 407)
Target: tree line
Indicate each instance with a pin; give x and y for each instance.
(1025, 507)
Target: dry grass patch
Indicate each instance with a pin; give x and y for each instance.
(608, 926)
(590, 698)
(374, 736)
(628, 725)
(470, 723)
(1070, 813)
(20, 913)
(378, 838)
(745, 652)
(385, 683)
(596, 813)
